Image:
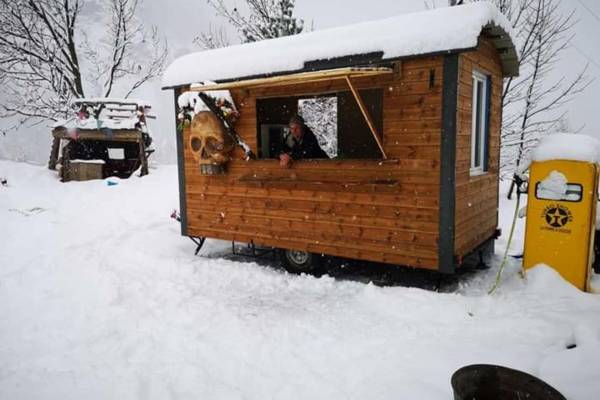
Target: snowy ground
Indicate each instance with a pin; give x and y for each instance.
(101, 298)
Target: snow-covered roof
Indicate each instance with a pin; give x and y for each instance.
(426, 32)
(567, 146)
(111, 100)
(94, 124)
(106, 112)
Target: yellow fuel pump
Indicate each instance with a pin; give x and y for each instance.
(561, 218)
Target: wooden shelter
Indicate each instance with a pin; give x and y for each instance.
(415, 179)
(106, 137)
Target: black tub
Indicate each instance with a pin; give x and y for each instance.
(493, 382)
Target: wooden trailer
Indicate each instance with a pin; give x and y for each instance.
(105, 137)
(418, 108)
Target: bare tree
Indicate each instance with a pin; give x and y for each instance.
(534, 102)
(46, 59)
(213, 39)
(266, 19)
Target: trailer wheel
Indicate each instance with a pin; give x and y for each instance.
(298, 261)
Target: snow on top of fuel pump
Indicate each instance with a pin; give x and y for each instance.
(553, 187)
(567, 146)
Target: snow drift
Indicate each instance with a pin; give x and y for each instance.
(101, 298)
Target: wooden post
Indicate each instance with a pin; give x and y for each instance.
(66, 165)
(54, 153)
(143, 159)
(367, 116)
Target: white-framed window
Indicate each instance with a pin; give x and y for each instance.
(480, 125)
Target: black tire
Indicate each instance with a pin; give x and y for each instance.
(298, 262)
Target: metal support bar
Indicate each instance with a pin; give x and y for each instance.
(254, 252)
(199, 241)
(365, 114)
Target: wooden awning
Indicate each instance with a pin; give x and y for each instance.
(292, 79)
(343, 74)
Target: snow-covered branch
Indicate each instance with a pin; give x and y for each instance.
(266, 19)
(213, 39)
(47, 59)
(533, 102)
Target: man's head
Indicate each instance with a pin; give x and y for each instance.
(296, 126)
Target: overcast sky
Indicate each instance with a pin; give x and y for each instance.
(188, 17)
(181, 20)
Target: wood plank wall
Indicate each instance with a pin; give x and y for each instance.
(477, 196)
(368, 209)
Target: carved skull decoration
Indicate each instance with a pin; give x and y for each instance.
(209, 142)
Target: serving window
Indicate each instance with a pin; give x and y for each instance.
(334, 118)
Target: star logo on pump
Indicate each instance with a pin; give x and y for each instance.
(557, 217)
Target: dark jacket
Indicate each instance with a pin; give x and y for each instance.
(308, 147)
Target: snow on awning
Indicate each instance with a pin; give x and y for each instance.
(313, 76)
(427, 32)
